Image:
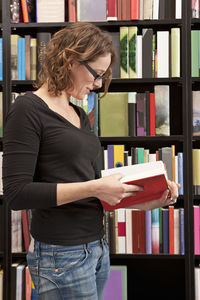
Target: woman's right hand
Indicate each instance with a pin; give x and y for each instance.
(110, 189)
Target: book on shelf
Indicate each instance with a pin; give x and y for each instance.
(29, 10)
(155, 231)
(196, 173)
(196, 113)
(138, 231)
(111, 10)
(116, 287)
(124, 52)
(113, 114)
(50, 11)
(42, 40)
(72, 10)
(87, 10)
(152, 176)
(195, 53)
(132, 39)
(175, 52)
(196, 230)
(116, 43)
(196, 282)
(162, 110)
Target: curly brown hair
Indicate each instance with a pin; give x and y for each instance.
(81, 41)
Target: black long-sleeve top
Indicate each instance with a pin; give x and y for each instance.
(41, 149)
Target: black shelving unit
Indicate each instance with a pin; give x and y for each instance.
(160, 276)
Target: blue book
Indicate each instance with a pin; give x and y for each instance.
(148, 234)
(19, 58)
(181, 230)
(110, 149)
(23, 59)
(180, 172)
(1, 60)
(165, 228)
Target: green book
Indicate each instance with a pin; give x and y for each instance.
(124, 52)
(132, 36)
(175, 52)
(113, 114)
(140, 155)
(195, 53)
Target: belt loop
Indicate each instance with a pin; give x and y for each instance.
(37, 248)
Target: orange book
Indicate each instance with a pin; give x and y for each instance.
(152, 176)
(171, 229)
(28, 284)
(72, 10)
(24, 11)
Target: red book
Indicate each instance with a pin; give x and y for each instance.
(138, 231)
(124, 10)
(25, 226)
(119, 10)
(135, 10)
(72, 10)
(111, 10)
(152, 176)
(171, 229)
(152, 114)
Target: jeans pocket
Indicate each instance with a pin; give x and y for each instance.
(66, 260)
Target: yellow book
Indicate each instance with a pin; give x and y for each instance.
(118, 156)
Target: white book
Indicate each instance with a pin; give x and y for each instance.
(162, 54)
(19, 282)
(141, 10)
(147, 9)
(129, 160)
(50, 11)
(129, 237)
(152, 157)
(197, 281)
(121, 220)
(178, 12)
(139, 56)
(176, 168)
(155, 9)
(105, 159)
(176, 232)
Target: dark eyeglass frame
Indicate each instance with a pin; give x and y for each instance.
(94, 73)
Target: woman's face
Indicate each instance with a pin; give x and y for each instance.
(83, 80)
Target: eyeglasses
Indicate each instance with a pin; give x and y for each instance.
(94, 73)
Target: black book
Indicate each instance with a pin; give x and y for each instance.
(147, 41)
(42, 40)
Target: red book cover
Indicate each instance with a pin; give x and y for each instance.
(111, 10)
(152, 115)
(135, 10)
(72, 10)
(171, 229)
(152, 176)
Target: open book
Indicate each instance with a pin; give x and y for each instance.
(152, 176)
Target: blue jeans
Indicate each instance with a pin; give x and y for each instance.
(70, 272)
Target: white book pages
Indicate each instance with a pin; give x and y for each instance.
(50, 11)
(139, 56)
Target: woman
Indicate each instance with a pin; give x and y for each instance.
(50, 166)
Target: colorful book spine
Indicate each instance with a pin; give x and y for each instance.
(180, 173)
(175, 52)
(121, 230)
(165, 217)
(118, 156)
(132, 38)
(196, 230)
(1, 60)
(110, 149)
(155, 231)
(148, 233)
(124, 52)
(111, 10)
(194, 53)
(182, 234)
(171, 229)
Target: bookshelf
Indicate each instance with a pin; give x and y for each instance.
(160, 276)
